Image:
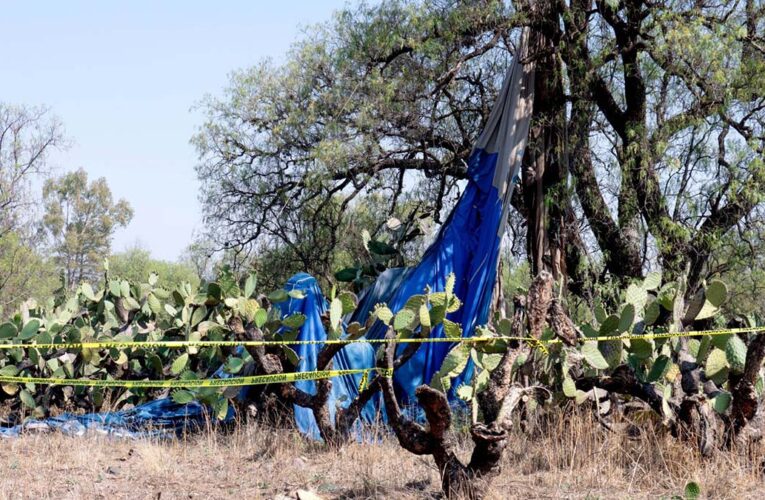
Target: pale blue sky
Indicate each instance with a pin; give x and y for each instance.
(123, 76)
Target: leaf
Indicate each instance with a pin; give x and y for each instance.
(170, 310)
(735, 353)
(580, 397)
(637, 296)
(593, 356)
(182, 396)
(30, 329)
(294, 321)
(198, 315)
(261, 316)
(455, 361)
(27, 399)
(721, 402)
(627, 318)
(125, 289)
(154, 304)
(672, 373)
(132, 304)
(121, 358)
(383, 313)
(87, 291)
(179, 364)
(612, 351)
(652, 312)
(347, 275)
(424, 313)
(491, 361)
(221, 408)
(717, 366)
(600, 313)
(569, 387)
(292, 356)
(505, 327)
(214, 294)
(250, 284)
(278, 296)
(8, 331)
(465, 392)
(248, 308)
(707, 311)
(153, 279)
(610, 325)
(652, 281)
(155, 363)
(9, 371)
(234, 365)
(716, 293)
(452, 330)
(349, 301)
(659, 369)
(335, 314)
(10, 389)
(641, 348)
(381, 248)
(450, 282)
(403, 319)
(720, 341)
(453, 305)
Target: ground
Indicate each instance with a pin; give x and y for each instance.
(573, 458)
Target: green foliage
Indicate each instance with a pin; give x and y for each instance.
(650, 307)
(137, 265)
(81, 217)
(24, 273)
(126, 311)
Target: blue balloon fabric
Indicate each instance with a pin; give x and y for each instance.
(162, 418)
(467, 246)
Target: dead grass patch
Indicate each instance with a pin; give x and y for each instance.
(571, 457)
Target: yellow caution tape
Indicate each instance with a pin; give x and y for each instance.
(180, 344)
(277, 378)
(297, 376)
(364, 381)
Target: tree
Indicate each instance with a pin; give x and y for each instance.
(27, 136)
(24, 273)
(660, 153)
(136, 264)
(80, 218)
(340, 120)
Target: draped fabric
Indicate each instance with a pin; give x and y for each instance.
(467, 245)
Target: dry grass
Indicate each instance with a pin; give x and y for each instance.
(572, 458)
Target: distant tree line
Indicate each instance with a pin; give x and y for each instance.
(56, 230)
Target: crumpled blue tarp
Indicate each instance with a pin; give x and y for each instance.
(160, 418)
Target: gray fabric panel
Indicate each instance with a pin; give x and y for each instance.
(507, 130)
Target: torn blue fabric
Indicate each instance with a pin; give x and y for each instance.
(161, 418)
(467, 245)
